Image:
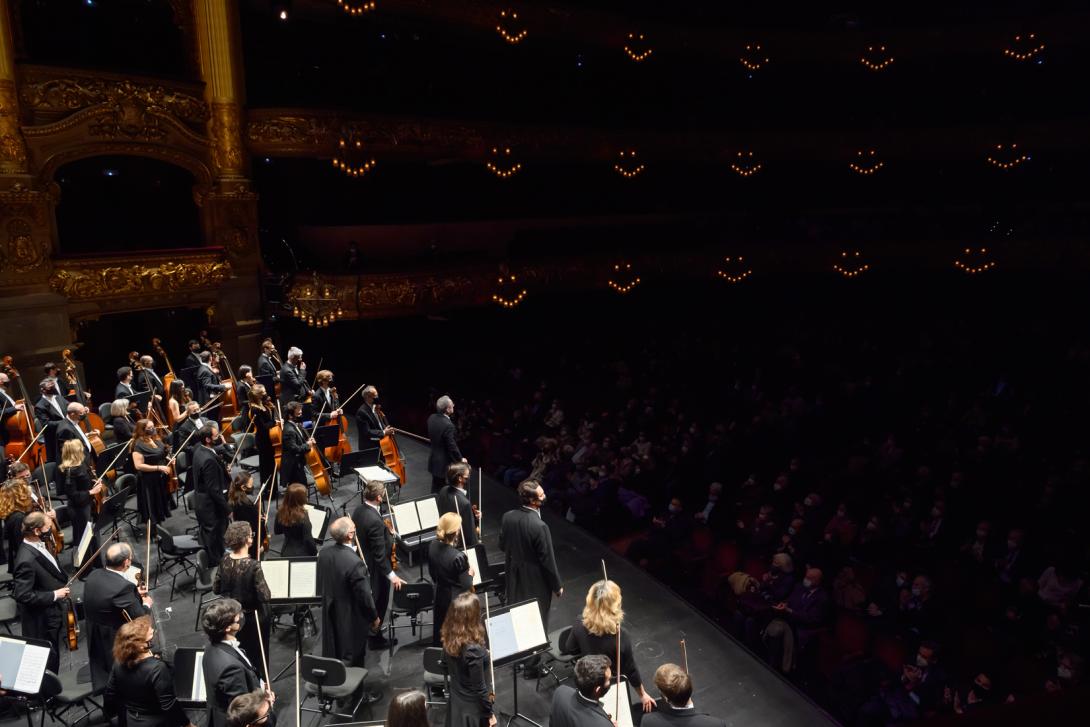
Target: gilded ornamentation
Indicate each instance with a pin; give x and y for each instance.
(72, 94)
(12, 146)
(128, 119)
(387, 294)
(225, 131)
(311, 131)
(78, 281)
(22, 253)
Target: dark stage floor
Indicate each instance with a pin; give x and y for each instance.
(730, 682)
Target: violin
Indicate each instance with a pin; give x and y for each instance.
(71, 625)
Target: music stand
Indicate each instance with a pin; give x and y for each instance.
(102, 461)
(140, 399)
(269, 382)
(293, 582)
(415, 521)
(113, 507)
(22, 663)
(515, 634)
(189, 677)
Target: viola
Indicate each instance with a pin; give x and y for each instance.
(71, 625)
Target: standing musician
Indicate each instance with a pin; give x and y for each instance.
(676, 709)
(263, 418)
(580, 707)
(448, 567)
(109, 601)
(120, 420)
(454, 498)
(148, 379)
(293, 523)
(210, 483)
(444, 448)
(75, 479)
(324, 398)
(245, 382)
(377, 543)
(240, 577)
(17, 499)
(370, 427)
(466, 653)
(191, 421)
(208, 384)
(295, 445)
(243, 509)
(347, 604)
(251, 710)
(268, 363)
(141, 688)
(8, 408)
(528, 546)
(149, 455)
(51, 407)
(293, 381)
(178, 398)
(228, 670)
(124, 388)
(52, 371)
(69, 428)
(193, 358)
(39, 587)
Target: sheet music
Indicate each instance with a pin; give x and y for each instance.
(22, 665)
(317, 520)
(276, 575)
(376, 474)
(84, 546)
(198, 694)
(472, 555)
(428, 512)
(529, 630)
(132, 575)
(304, 579)
(501, 636)
(406, 520)
(609, 703)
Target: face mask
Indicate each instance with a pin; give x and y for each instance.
(1063, 672)
(792, 531)
(921, 662)
(806, 583)
(900, 581)
(916, 591)
(147, 645)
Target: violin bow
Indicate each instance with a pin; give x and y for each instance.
(684, 656)
(461, 525)
(239, 449)
(182, 447)
(320, 362)
(111, 465)
(480, 500)
(261, 520)
(261, 648)
(617, 663)
(91, 560)
(298, 712)
(352, 395)
(491, 665)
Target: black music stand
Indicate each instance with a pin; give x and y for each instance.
(113, 509)
(282, 595)
(511, 647)
(418, 522)
(102, 461)
(189, 677)
(139, 400)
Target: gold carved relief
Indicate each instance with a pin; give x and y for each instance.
(73, 94)
(84, 281)
(309, 130)
(23, 254)
(226, 132)
(12, 146)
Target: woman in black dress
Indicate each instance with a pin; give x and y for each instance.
(75, 477)
(596, 633)
(141, 687)
(263, 419)
(243, 509)
(448, 567)
(240, 577)
(464, 648)
(119, 420)
(293, 523)
(149, 456)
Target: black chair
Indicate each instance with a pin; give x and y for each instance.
(9, 611)
(329, 680)
(493, 577)
(175, 551)
(410, 600)
(556, 658)
(436, 676)
(51, 687)
(202, 585)
(127, 514)
(72, 693)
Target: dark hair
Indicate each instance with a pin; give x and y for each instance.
(462, 625)
(123, 372)
(204, 356)
(243, 370)
(237, 534)
(218, 617)
(32, 522)
(245, 708)
(50, 366)
(236, 493)
(675, 684)
(373, 490)
(292, 509)
(408, 709)
(293, 408)
(206, 431)
(193, 343)
(456, 470)
(590, 674)
(528, 491)
(131, 641)
(177, 391)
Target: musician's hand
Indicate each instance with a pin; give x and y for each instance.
(335, 414)
(375, 624)
(388, 431)
(97, 488)
(148, 601)
(164, 469)
(560, 593)
(61, 593)
(271, 696)
(398, 583)
(142, 590)
(20, 407)
(51, 514)
(492, 720)
(158, 398)
(311, 441)
(465, 461)
(648, 702)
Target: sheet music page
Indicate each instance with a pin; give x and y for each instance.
(198, 694)
(31, 669)
(529, 631)
(11, 653)
(501, 636)
(472, 555)
(373, 473)
(276, 575)
(406, 520)
(428, 510)
(609, 703)
(317, 520)
(132, 574)
(304, 579)
(83, 547)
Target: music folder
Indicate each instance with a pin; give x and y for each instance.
(22, 665)
(189, 677)
(319, 521)
(516, 632)
(610, 705)
(292, 580)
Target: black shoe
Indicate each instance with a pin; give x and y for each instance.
(381, 642)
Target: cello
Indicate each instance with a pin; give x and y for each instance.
(317, 469)
(391, 454)
(91, 424)
(22, 437)
(168, 377)
(231, 405)
(336, 453)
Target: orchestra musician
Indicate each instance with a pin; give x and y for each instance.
(210, 481)
(75, 480)
(228, 670)
(454, 498)
(243, 509)
(263, 418)
(293, 381)
(8, 408)
(110, 600)
(377, 543)
(208, 385)
(240, 577)
(39, 587)
(193, 358)
(347, 603)
(246, 381)
(141, 687)
(120, 421)
(580, 707)
(294, 446)
(190, 421)
(124, 388)
(448, 567)
(444, 448)
(17, 499)
(293, 523)
(251, 710)
(148, 379)
(370, 428)
(325, 399)
(51, 407)
(178, 397)
(466, 653)
(268, 363)
(676, 709)
(149, 455)
(69, 428)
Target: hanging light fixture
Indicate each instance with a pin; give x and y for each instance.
(355, 7)
(315, 302)
(351, 158)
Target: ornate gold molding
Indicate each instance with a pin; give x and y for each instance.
(226, 132)
(12, 145)
(25, 241)
(118, 277)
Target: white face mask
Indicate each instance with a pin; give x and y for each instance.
(1063, 672)
(806, 583)
(921, 662)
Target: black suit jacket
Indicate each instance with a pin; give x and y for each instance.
(530, 562)
(451, 500)
(147, 379)
(67, 430)
(293, 385)
(208, 385)
(107, 597)
(370, 427)
(226, 676)
(375, 539)
(44, 412)
(7, 411)
(293, 458)
(348, 608)
(209, 481)
(444, 449)
(125, 391)
(572, 710)
(266, 367)
(192, 360)
(665, 715)
(35, 579)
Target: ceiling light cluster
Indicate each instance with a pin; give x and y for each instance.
(633, 45)
(503, 172)
(866, 162)
(356, 8)
(1007, 156)
(876, 58)
(623, 270)
(974, 268)
(504, 301)
(510, 35)
(627, 170)
(1025, 47)
(741, 271)
(850, 265)
(752, 60)
(350, 158)
(743, 164)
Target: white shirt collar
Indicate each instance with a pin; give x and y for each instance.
(40, 547)
(534, 510)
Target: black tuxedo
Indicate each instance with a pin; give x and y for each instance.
(323, 403)
(444, 449)
(208, 385)
(192, 360)
(147, 379)
(7, 411)
(266, 367)
(449, 570)
(67, 429)
(348, 608)
(293, 384)
(124, 391)
(666, 715)
(570, 709)
(530, 562)
(181, 434)
(210, 480)
(35, 579)
(226, 676)
(293, 456)
(45, 412)
(377, 543)
(107, 597)
(453, 500)
(370, 428)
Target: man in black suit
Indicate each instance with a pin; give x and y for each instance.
(580, 707)
(247, 710)
(210, 482)
(676, 709)
(528, 548)
(293, 377)
(377, 543)
(39, 587)
(228, 671)
(193, 358)
(208, 385)
(444, 448)
(266, 365)
(125, 388)
(51, 406)
(69, 428)
(8, 408)
(454, 498)
(148, 380)
(347, 602)
(367, 421)
(294, 445)
(110, 600)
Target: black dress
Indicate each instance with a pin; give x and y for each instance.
(245, 511)
(266, 457)
(297, 538)
(469, 703)
(152, 495)
(582, 641)
(76, 482)
(243, 580)
(449, 570)
(145, 695)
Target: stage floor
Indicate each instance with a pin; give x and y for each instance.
(729, 681)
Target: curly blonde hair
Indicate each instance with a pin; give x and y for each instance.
(602, 613)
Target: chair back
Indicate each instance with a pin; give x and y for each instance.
(51, 686)
(321, 671)
(104, 411)
(166, 540)
(126, 480)
(434, 662)
(204, 572)
(563, 639)
(414, 597)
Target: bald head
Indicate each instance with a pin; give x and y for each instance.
(116, 556)
(342, 530)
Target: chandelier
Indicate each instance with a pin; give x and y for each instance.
(355, 7)
(350, 157)
(315, 302)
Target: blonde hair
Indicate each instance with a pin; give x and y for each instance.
(449, 528)
(72, 454)
(602, 613)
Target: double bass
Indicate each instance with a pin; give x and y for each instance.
(168, 377)
(337, 452)
(391, 454)
(91, 423)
